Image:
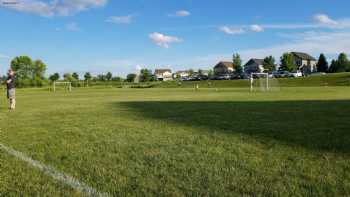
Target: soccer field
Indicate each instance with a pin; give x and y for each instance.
(179, 142)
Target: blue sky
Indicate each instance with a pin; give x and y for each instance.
(121, 36)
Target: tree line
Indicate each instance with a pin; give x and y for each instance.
(74, 77)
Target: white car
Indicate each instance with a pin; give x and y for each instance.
(296, 74)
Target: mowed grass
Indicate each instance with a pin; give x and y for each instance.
(180, 142)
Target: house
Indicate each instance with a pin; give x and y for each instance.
(305, 62)
(183, 73)
(204, 72)
(163, 74)
(254, 66)
(223, 68)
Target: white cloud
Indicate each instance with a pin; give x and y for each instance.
(256, 28)
(232, 30)
(72, 27)
(324, 19)
(182, 13)
(52, 8)
(163, 40)
(120, 19)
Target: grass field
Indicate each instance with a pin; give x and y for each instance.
(178, 142)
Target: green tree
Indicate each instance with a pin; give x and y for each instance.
(200, 72)
(146, 75)
(269, 64)
(22, 65)
(211, 73)
(39, 69)
(333, 67)
(237, 63)
(343, 63)
(322, 64)
(75, 76)
(87, 76)
(101, 77)
(131, 77)
(54, 77)
(288, 62)
(28, 72)
(109, 76)
(117, 79)
(68, 77)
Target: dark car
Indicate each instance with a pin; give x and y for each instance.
(184, 79)
(281, 74)
(238, 76)
(204, 77)
(222, 77)
(194, 78)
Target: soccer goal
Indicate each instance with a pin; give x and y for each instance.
(66, 86)
(259, 80)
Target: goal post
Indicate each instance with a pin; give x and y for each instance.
(259, 76)
(67, 85)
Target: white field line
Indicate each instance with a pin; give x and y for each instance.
(72, 182)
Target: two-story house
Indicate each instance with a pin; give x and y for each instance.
(163, 74)
(254, 66)
(223, 68)
(305, 62)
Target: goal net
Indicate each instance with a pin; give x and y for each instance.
(66, 86)
(259, 81)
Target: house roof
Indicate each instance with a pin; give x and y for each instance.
(227, 64)
(161, 71)
(304, 56)
(256, 61)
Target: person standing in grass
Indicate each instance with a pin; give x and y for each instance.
(11, 91)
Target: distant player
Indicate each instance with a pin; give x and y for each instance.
(11, 91)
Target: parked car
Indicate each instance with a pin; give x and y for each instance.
(296, 74)
(184, 79)
(281, 74)
(194, 78)
(222, 77)
(238, 76)
(203, 77)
